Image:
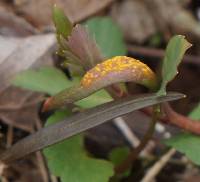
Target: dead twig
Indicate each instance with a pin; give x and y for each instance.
(42, 166)
(126, 131)
(130, 136)
(41, 160)
(158, 166)
(21, 106)
(159, 53)
(126, 164)
(9, 136)
(54, 178)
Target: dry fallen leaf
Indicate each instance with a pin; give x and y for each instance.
(169, 15)
(19, 108)
(76, 10)
(26, 170)
(134, 19)
(20, 54)
(12, 25)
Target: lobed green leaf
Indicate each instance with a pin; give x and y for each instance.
(175, 51)
(195, 114)
(48, 80)
(41, 81)
(108, 36)
(69, 160)
(117, 156)
(187, 143)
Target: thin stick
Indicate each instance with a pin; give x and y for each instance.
(126, 131)
(42, 167)
(159, 53)
(158, 166)
(54, 178)
(115, 91)
(135, 153)
(40, 158)
(130, 136)
(9, 136)
(16, 107)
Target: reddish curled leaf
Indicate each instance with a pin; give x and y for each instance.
(81, 49)
(115, 70)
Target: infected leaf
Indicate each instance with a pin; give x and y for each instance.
(115, 70)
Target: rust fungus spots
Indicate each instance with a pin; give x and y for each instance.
(116, 64)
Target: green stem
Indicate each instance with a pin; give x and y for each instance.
(126, 164)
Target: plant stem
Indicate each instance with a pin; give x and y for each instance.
(126, 164)
(173, 118)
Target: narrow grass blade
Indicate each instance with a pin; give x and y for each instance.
(81, 122)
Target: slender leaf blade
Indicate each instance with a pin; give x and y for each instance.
(81, 122)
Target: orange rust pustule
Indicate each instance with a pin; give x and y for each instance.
(116, 64)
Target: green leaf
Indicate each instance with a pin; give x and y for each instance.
(118, 155)
(175, 51)
(41, 81)
(186, 143)
(70, 161)
(108, 36)
(98, 98)
(62, 23)
(47, 79)
(195, 114)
